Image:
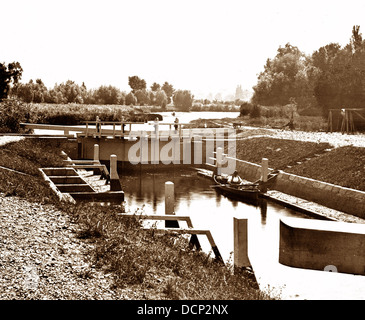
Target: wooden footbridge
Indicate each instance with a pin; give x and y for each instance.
(139, 142)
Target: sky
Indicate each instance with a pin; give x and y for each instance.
(205, 46)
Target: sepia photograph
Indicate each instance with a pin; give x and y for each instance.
(182, 157)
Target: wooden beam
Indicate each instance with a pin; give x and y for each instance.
(207, 233)
(161, 217)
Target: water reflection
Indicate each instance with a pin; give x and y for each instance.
(207, 208)
(263, 207)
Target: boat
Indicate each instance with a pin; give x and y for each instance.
(245, 191)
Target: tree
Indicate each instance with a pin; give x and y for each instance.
(169, 90)
(183, 100)
(9, 73)
(107, 95)
(152, 97)
(24, 92)
(326, 61)
(340, 80)
(155, 87)
(277, 83)
(136, 83)
(130, 99)
(356, 41)
(142, 97)
(31, 92)
(161, 99)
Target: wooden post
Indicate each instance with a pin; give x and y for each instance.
(114, 178)
(186, 151)
(219, 160)
(264, 173)
(79, 150)
(329, 126)
(197, 152)
(170, 204)
(155, 149)
(156, 127)
(96, 153)
(98, 127)
(240, 233)
(352, 125)
(96, 158)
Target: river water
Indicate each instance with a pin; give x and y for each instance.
(186, 117)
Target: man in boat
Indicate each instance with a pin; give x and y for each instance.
(234, 178)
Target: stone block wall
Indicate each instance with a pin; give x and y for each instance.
(332, 196)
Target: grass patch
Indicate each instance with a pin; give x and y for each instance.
(28, 155)
(280, 152)
(160, 264)
(342, 166)
(301, 123)
(25, 157)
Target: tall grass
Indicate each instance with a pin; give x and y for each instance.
(73, 114)
(161, 264)
(215, 107)
(13, 112)
(301, 123)
(19, 173)
(280, 116)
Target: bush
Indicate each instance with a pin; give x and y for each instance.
(12, 113)
(183, 100)
(255, 112)
(245, 108)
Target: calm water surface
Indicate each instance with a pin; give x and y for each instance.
(208, 209)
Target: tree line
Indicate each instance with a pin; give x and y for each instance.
(71, 92)
(331, 78)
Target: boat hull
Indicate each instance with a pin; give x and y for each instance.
(245, 193)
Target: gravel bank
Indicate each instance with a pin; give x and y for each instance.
(336, 139)
(41, 257)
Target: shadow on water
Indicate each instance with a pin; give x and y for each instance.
(208, 209)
